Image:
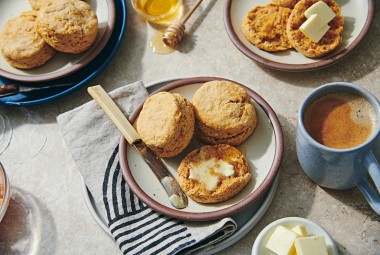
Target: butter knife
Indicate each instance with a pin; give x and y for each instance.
(12, 89)
(177, 197)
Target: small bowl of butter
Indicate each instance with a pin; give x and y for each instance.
(295, 236)
(4, 192)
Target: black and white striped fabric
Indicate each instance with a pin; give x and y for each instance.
(139, 230)
(93, 141)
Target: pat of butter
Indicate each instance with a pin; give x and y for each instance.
(177, 201)
(300, 230)
(206, 172)
(312, 28)
(312, 245)
(281, 241)
(323, 11)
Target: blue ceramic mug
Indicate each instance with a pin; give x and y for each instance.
(346, 168)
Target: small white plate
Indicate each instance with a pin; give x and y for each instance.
(263, 148)
(311, 228)
(62, 64)
(358, 17)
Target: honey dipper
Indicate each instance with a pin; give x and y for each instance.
(174, 33)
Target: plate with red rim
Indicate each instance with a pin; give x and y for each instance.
(62, 64)
(358, 16)
(263, 150)
(5, 192)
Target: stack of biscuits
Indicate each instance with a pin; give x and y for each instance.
(222, 115)
(32, 38)
(275, 27)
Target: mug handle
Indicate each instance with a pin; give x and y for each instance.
(366, 188)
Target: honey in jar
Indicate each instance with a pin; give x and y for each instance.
(158, 11)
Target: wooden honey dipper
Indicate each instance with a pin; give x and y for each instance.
(174, 33)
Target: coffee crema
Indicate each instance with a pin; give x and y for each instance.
(340, 120)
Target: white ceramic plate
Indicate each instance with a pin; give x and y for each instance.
(263, 151)
(311, 228)
(61, 64)
(358, 17)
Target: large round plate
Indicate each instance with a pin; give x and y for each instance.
(358, 17)
(61, 64)
(245, 220)
(78, 79)
(263, 148)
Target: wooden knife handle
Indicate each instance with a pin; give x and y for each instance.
(114, 113)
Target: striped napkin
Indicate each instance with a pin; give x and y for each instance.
(93, 142)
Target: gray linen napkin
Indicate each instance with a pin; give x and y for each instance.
(93, 142)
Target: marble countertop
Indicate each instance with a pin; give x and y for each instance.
(47, 212)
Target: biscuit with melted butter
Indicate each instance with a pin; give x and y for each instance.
(265, 27)
(329, 42)
(213, 174)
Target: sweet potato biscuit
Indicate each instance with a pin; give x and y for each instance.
(37, 4)
(224, 113)
(20, 44)
(69, 26)
(213, 174)
(329, 42)
(166, 123)
(286, 3)
(265, 27)
(234, 140)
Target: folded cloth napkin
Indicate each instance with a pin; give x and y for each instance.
(93, 142)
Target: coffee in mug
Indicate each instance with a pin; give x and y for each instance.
(340, 120)
(338, 126)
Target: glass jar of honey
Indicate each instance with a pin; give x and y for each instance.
(159, 11)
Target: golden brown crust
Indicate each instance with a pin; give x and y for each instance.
(234, 140)
(20, 44)
(227, 187)
(265, 27)
(286, 3)
(224, 113)
(69, 25)
(329, 42)
(37, 4)
(166, 123)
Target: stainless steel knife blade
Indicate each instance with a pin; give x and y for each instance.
(177, 198)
